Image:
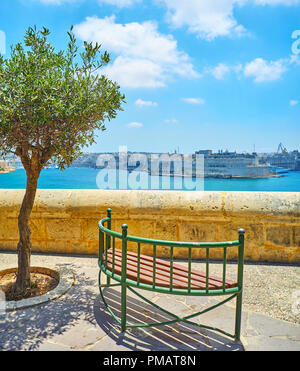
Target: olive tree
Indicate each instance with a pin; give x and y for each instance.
(51, 105)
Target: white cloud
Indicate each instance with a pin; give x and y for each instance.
(194, 100)
(58, 2)
(276, 2)
(263, 70)
(145, 57)
(293, 102)
(209, 19)
(135, 125)
(119, 3)
(206, 18)
(135, 73)
(220, 71)
(221, 9)
(144, 103)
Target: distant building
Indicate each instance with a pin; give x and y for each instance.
(4, 165)
(233, 165)
(286, 160)
(216, 165)
(204, 152)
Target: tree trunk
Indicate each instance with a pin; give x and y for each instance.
(23, 284)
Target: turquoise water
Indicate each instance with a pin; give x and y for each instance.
(87, 178)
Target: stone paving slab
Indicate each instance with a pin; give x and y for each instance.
(79, 320)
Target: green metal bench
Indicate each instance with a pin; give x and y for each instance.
(135, 270)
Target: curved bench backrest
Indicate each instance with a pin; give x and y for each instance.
(107, 247)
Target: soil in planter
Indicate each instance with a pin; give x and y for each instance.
(41, 283)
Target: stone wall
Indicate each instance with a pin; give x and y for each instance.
(66, 221)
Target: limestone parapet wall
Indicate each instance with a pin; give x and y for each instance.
(66, 221)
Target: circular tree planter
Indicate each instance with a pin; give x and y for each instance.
(64, 276)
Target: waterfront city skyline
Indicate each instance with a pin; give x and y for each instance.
(196, 74)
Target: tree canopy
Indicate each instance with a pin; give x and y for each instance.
(52, 102)
(51, 105)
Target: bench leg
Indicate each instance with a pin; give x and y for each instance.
(123, 307)
(238, 316)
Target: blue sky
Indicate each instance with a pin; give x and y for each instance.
(197, 74)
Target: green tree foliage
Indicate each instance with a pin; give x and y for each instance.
(52, 103)
(49, 103)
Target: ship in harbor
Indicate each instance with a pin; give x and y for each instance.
(225, 164)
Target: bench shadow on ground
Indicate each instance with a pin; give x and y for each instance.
(28, 328)
(173, 337)
(63, 321)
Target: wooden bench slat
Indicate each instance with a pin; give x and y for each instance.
(147, 277)
(162, 272)
(179, 267)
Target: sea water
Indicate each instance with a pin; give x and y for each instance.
(90, 178)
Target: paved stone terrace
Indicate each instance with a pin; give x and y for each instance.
(79, 321)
